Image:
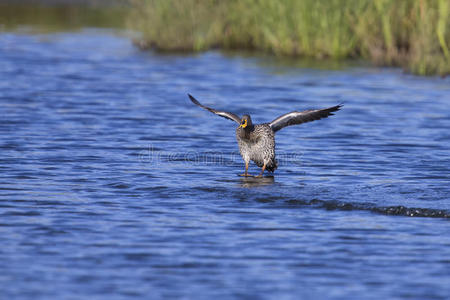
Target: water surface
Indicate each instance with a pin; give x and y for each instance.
(112, 184)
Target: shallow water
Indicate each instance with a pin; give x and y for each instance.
(112, 184)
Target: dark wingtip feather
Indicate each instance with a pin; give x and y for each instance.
(334, 108)
(195, 101)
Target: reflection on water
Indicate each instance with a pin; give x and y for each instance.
(249, 182)
(114, 185)
(285, 64)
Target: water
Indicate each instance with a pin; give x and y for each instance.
(112, 184)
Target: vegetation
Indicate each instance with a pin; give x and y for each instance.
(45, 17)
(413, 34)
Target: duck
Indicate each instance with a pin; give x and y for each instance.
(257, 141)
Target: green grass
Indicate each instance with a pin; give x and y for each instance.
(413, 34)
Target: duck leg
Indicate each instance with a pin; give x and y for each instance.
(246, 169)
(262, 171)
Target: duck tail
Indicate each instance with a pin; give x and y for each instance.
(273, 166)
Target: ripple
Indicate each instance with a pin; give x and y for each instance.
(15, 213)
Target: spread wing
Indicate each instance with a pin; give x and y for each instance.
(224, 114)
(299, 117)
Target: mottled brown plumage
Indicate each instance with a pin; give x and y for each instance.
(257, 142)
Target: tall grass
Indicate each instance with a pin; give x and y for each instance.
(413, 34)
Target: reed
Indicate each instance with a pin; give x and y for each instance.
(413, 34)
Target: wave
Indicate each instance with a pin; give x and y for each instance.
(398, 210)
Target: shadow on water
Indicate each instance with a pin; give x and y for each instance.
(281, 64)
(398, 210)
(280, 193)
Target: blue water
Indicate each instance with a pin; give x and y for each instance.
(113, 184)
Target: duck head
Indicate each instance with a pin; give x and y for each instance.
(246, 122)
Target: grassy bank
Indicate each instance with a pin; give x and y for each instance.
(413, 34)
(46, 15)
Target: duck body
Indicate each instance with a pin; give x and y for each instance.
(257, 144)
